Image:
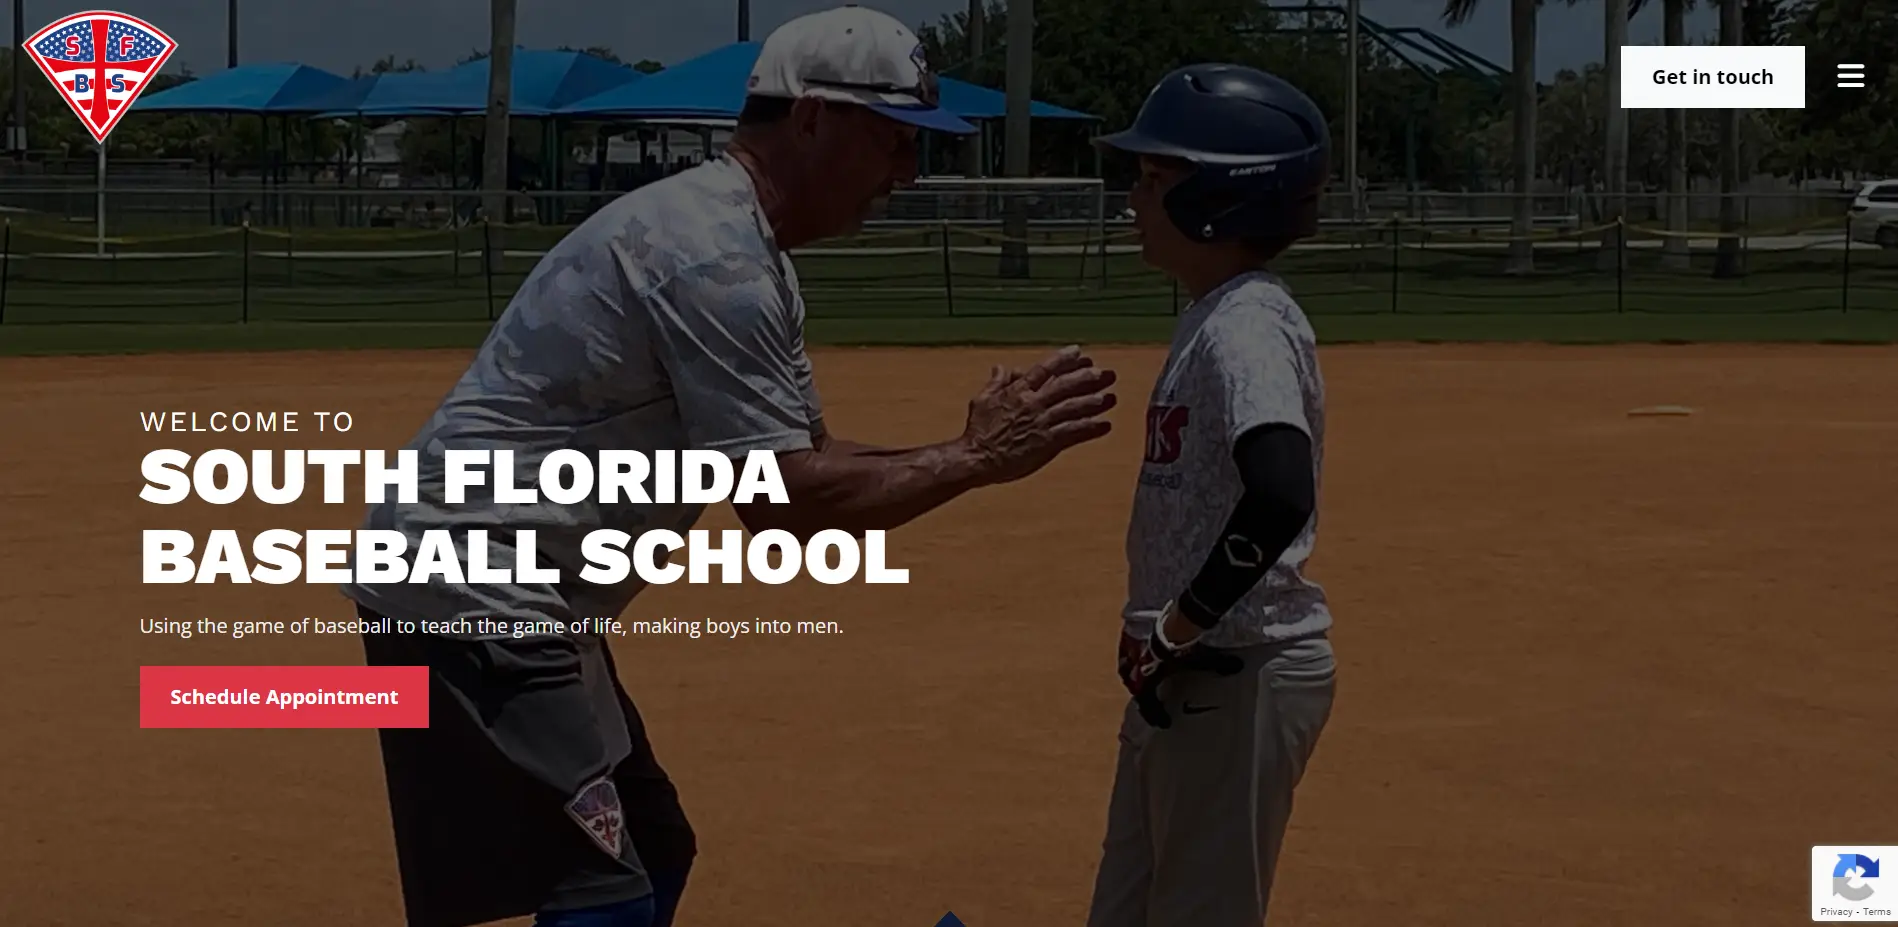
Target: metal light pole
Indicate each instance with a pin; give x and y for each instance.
(1351, 109)
(1015, 141)
(975, 148)
(1727, 262)
(230, 28)
(1674, 249)
(744, 20)
(500, 92)
(1615, 158)
(18, 140)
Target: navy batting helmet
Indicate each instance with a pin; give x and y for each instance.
(1258, 145)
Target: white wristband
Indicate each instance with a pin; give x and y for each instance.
(1159, 629)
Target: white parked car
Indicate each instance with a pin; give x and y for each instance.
(1875, 214)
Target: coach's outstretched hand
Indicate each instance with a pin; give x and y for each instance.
(1021, 421)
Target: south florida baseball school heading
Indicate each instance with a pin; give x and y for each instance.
(565, 478)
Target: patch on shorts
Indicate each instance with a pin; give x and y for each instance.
(597, 810)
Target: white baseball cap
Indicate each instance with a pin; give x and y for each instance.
(853, 54)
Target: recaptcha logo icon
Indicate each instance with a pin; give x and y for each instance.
(1853, 876)
(1847, 885)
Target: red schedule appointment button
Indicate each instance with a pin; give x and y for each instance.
(282, 696)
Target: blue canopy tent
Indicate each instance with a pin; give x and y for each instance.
(544, 80)
(263, 90)
(252, 88)
(712, 87)
(975, 102)
(392, 93)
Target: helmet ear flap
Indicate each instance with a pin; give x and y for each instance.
(1215, 204)
(1198, 211)
(1185, 208)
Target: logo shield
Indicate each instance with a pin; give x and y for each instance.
(100, 61)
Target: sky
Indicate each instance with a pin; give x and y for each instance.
(339, 35)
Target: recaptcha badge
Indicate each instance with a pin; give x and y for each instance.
(1848, 884)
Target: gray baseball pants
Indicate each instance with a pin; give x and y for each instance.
(1199, 810)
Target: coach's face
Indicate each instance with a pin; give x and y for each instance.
(1162, 246)
(856, 157)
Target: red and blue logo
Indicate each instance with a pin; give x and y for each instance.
(100, 61)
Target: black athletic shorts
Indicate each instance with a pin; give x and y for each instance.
(533, 787)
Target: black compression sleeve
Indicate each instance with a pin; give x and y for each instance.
(1275, 467)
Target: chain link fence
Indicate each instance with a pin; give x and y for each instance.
(142, 198)
(913, 268)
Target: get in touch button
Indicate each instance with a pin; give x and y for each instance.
(1713, 77)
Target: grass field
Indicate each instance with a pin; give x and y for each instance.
(375, 287)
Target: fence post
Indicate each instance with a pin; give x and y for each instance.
(1397, 252)
(454, 254)
(245, 262)
(1845, 272)
(948, 271)
(1621, 263)
(288, 210)
(6, 268)
(487, 261)
(1746, 227)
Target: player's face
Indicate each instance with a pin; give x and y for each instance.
(1162, 246)
(860, 157)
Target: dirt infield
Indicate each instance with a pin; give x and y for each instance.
(1594, 669)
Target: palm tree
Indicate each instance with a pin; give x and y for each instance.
(494, 161)
(1727, 259)
(1522, 64)
(1674, 32)
(1614, 164)
(973, 147)
(1016, 160)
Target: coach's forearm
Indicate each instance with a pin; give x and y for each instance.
(823, 441)
(873, 489)
(840, 446)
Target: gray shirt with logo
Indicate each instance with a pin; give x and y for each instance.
(1243, 356)
(669, 320)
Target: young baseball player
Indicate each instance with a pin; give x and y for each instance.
(1224, 641)
(671, 319)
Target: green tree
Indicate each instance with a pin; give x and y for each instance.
(1101, 58)
(387, 65)
(1843, 132)
(597, 51)
(1674, 32)
(1727, 256)
(1522, 106)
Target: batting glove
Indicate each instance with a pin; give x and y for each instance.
(1145, 664)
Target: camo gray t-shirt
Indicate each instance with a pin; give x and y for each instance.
(1242, 357)
(669, 320)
